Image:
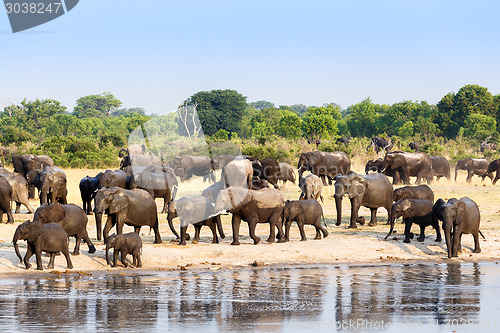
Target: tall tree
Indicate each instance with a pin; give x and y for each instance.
(96, 105)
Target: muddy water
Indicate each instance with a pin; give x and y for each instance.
(410, 298)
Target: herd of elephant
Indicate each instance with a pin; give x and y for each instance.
(248, 189)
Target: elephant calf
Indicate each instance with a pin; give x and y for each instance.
(418, 211)
(311, 187)
(303, 212)
(129, 243)
(413, 192)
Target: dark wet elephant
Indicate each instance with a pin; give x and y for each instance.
(413, 192)
(54, 183)
(25, 163)
(19, 190)
(303, 212)
(262, 206)
(187, 166)
(267, 169)
(71, 218)
(49, 237)
(371, 191)
(5, 199)
(473, 166)
(132, 207)
(88, 189)
(408, 165)
(459, 217)
(441, 167)
(324, 165)
(380, 144)
(418, 211)
(130, 243)
(493, 167)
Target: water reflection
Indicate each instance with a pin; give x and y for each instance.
(275, 299)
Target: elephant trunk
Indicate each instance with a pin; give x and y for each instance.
(98, 224)
(219, 227)
(43, 197)
(338, 206)
(456, 173)
(448, 237)
(394, 216)
(16, 247)
(170, 217)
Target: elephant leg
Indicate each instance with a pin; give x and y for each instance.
(469, 176)
(183, 235)
(354, 213)
(422, 233)
(287, 230)
(213, 227)
(38, 254)
(165, 204)
(29, 253)
(18, 208)
(65, 251)
(156, 229)
(236, 221)
(119, 224)
(78, 239)
(408, 235)
(300, 224)
(435, 225)
(51, 260)
(115, 257)
(86, 238)
(138, 258)
(137, 229)
(497, 177)
(197, 230)
(251, 227)
(272, 233)
(107, 227)
(323, 230)
(124, 257)
(477, 247)
(373, 217)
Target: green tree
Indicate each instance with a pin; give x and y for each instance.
(96, 105)
(259, 105)
(479, 126)
(290, 125)
(362, 118)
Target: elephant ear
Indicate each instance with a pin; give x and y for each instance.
(436, 209)
(239, 197)
(461, 207)
(358, 187)
(119, 203)
(119, 242)
(407, 208)
(468, 162)
(36, 229)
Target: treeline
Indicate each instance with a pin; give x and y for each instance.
(92, 133)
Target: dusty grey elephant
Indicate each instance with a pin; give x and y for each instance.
(408, 165)
(25, 163)
(372, 191)
(197, 211)
(213, 190)
(262, 206)
(71, 218)
(19, 190)
(5, 199)
(132, 207)
(220, 161)
(441, 167)
(303, 212)
(286, 173)
(187, 166)
(324, 165)
(413, 192)
(237, 173)
(459, 217)
(473, 166)
(311, 187)
(493, 167)
(130, 243)
(54, 182)
(418, 211)
(49, 237)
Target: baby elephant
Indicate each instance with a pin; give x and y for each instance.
(303, 212)
(417, 211)
(129, 243)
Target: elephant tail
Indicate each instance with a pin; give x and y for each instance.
(481, 234)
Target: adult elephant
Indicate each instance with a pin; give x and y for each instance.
(408, 165)
(54, 182)
(267, 169)
(414, 146)
(131, 207)
(371, 191)
(220, 161)
(213, 190)
(459, 217)
(88, 189)
(380, 144)
(286, 173)
(493, 167)
(19, 190)
(376, 166)
(187, 166)
(237, 173)
(158, 181)
(111, 178)
(262, 206)
(324, 165)
(25, 163)
(441, 167)
(71, 218)
(137, 160)
(473, 166)
(5, 198)
(134, 149)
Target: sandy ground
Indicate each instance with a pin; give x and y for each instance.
(364, 245)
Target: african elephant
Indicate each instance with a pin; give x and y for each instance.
(71, 218)
(111, 178)
(5, 199)
(220, 161)
(380, 143)
(303, 212)
(414, 146)
(259, 184)
(187, 166)
(441, 167)
(376, 166)
(413, 192)
(286, 173)
(324, 165)
(418, 211)
(131, 207)
(237, 173)
(311, 187)
(371, 191)
(53, 182)
(212, 191)
(19, 190)
(344, 141)
(136, 160)
(262, 206)
(197, 211)
(49, 237)
(159, 182)
(88, 189)
(459, 217)
(473, 166)
(493, 167)
(409, 165)
(33, 178)
(25, 163)
(133, 149)
(267, 169)
(130, 243)
(487, 146)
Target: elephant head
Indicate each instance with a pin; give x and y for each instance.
(309, 161)
(402, 208)
(34, 181)
(397, 161)
(464, 164)
(352, 185)
(52, 180)
(111, 200)
(452, 214)
(232, 199)
(27, 231)
(113, 241)
(374, 165)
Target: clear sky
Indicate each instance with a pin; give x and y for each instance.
(155, 54)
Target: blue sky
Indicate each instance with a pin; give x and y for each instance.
(155, 54)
